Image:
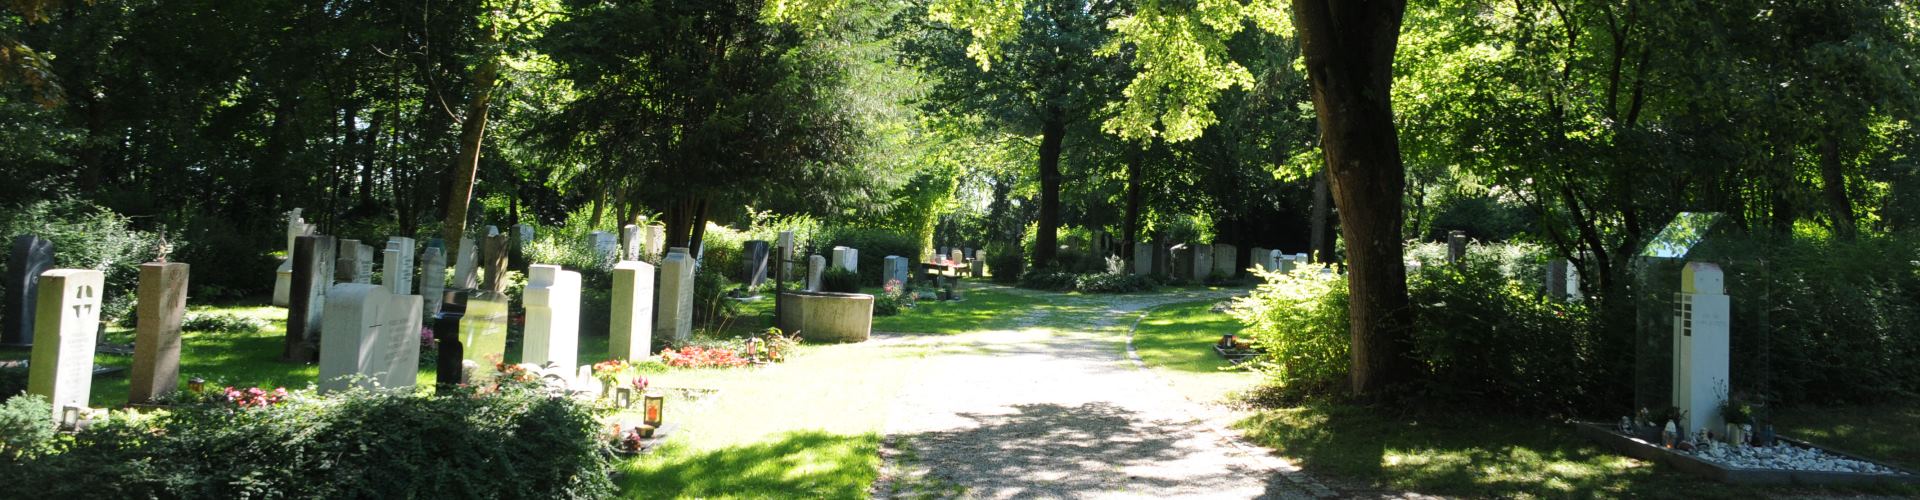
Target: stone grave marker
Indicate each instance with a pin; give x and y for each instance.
(283, 277)
(156, 346)
(784, 255)
(896, 269)
(31, 256)
(846, 258)
(465, 260)
(630, 243)
(396, 269)
(753, 257)
(1259, 259)
(1142, 259)
(483, 335)
(1456, 247)
(313, 262)
(606, 245)
(372, 340)
(400, 332)
(1202, 262)
(1226, 259)
(433, 279)
(631, 335)
(493, 258)
(676, 296)
(1182, 261)
(816, 265)
(553, 317)
(955, 256)
(1701, 321)
(66, 322)
(656, 240)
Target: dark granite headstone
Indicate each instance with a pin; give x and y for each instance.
(753, 258)
(31, 256)
(446, 333)
(493, 261)
(313, 262)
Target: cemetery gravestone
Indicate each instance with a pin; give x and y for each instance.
(1226, 260)
(31, 256)
(606, 245)
(1202, 262)
(676, 296)
(785, 255)
(1701, 322)
(493, 257)
(1456, 247)
(1259, 259)
(753, 256)
(400, 332)
(283, 277)
(156, 346)
(66, 320)
(464, 261)
(312, 274)
(630, 243)
(896, 269)
(631, 337)
(396, 266)
(483, 336)
(846, 258)
(433, 278)
(656, 240)
(955, 256)
(816, 265)
(372, 340)
(1182, 262)
(553, 317)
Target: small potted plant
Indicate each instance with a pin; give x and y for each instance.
(1738, 413)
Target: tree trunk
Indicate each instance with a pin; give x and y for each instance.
(1320, 245)
(1046, 239)
(1833, 180)
(1135, 164)
(1349, 46)
(472, 132)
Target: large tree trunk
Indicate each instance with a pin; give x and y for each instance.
(1136, 159)
(1320, 243)
(1349, 46)
(1833, 181)
(467, 165)
(1046, 239)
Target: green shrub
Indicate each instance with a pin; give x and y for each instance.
(88, 236)
(1006, 264)
(226, 260)
(1299, 322)
(1112, 283)
(514, 444)
(1049, 279)
(874, 246)
(26, 426)
(1486, 341)
(840, 281)
(711, 305)
(12, 381)
(222, 323)
(724, 251)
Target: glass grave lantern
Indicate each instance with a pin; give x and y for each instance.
(1700, 288)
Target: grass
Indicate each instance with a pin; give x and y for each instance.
(1887, 432)
(982, 309)
(1177, 340)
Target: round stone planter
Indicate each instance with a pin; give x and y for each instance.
(827, 316)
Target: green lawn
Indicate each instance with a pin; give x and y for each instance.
(982, 309)
(1888, 432)
(1177, 341)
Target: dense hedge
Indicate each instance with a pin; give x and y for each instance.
(1096, 282)
(518, 444)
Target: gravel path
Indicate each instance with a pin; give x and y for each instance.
(1061, 412)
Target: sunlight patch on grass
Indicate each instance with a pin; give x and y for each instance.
(1177, 342)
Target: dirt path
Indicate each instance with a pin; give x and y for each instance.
(1054, 409)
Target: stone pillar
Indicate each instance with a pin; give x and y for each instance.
(464, 261)
(31, 256)
(676, 296)
(553, 317)
(396, 265)
(66, 321)
(631, 335)
(1457, 247)
(753, 262)
(313, 261)
(630, 243)
(1258, 258)
(815, 266)
(493, 257)
(1202, 262)
(1700, 345)
(156, 345)
(433, 279)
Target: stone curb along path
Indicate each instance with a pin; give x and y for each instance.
(1037, 412)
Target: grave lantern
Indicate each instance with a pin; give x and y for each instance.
(197, 385)
(655, 405)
